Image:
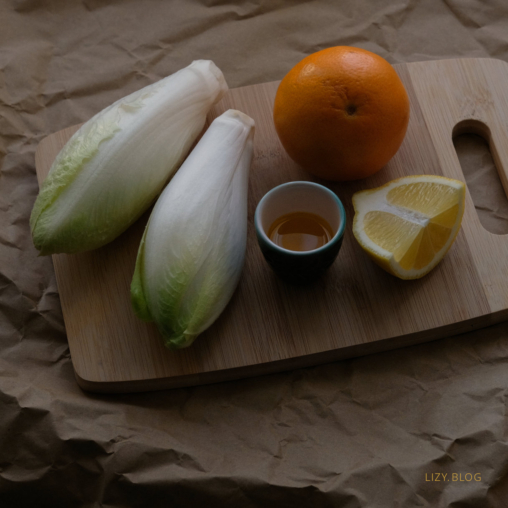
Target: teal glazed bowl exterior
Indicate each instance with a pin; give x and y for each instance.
(300, 267)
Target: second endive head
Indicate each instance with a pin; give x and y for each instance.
(191, 255)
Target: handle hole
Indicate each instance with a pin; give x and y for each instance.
(471, 140)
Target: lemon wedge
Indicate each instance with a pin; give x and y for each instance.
(407, 225)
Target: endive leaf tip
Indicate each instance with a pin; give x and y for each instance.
(211, 68)
(138, 298)
(239, 115)
(175, 342)
(138, 302)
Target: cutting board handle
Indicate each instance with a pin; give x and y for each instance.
(459, 96)
(496, 137)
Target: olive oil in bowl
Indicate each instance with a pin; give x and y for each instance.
(300, 231)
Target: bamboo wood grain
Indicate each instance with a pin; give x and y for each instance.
(356, 309)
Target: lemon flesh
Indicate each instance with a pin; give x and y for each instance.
(407, 225)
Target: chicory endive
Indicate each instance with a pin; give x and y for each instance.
(192, 252)
(113, 168)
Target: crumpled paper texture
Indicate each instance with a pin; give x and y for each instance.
(367, 432)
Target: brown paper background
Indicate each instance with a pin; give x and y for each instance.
(357, 433)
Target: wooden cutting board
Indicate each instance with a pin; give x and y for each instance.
(356, 309)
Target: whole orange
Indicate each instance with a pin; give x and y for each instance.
(341, 113)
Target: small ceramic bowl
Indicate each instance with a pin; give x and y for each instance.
(300, 266)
